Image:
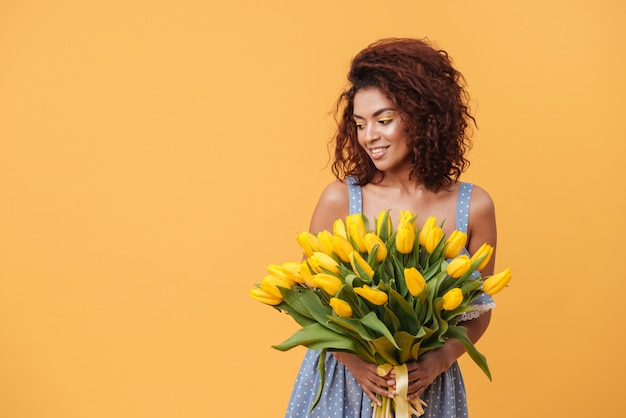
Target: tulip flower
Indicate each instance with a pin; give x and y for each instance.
(341, 307)
(452, 299)
(455, 244)
(292, 269)
(405, 239)
(371, 240)
(339, 228)
(459, 266)
(407, 219)
(329, 283)
(278, 271)
(342, 248)
(484, 250)
(430, 223)
(308, 242)
(270, 285)
(414, 281)
(375, 296)
(497, 282)
(265, 297)
(321, 261)
(356, 231)
(326, 242)
(360, 264)
(382, 216)
(307, 275)
(430, 239)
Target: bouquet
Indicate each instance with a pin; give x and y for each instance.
(387, 295)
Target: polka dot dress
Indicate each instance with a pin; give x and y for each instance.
(342, 396)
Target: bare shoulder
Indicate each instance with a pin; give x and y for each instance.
(481, 202)
(332, 205)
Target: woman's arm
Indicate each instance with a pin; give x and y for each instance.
(482, 229)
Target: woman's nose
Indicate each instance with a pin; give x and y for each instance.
(371, 132)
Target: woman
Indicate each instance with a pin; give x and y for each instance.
(400, 145)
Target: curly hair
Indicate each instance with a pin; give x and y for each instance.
(431, 98)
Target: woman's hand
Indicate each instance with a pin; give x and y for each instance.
(423, 372)
(366, 376)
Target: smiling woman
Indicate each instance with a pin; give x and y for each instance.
(400, 146)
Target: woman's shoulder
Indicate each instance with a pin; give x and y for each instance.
(335, 195)
(481, 201)
(332, 204)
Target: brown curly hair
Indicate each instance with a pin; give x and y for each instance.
(433, 103)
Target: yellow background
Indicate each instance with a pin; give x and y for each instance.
(155, 156)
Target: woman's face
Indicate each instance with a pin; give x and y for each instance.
(381, 131)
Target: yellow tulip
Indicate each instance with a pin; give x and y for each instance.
(339, 228)
(484, 250)
(342, 248)
(357, 231)
(292, 269)
(270, 284)
(375, 296)
(265, 297)
(341, 307)
(455, 244)
(430, 235)
(379, 224)
(308, 242)
(414, 281)
(405, 239)
(459, 266)
(321, 260)
(452, 299)
(325, 239)
(430, 223)
(371, 240)
(357, 260)
(406, 219)
(330, 284)
(307, 276)
(497, 282)
(278, 271)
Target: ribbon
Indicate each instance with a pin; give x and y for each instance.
(401, 407)
(402, 389)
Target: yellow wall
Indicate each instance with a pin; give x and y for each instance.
(155, 156)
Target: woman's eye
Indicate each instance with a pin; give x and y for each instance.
(385, 121)
(360, 125)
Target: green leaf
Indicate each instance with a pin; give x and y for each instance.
(404, 311)
(318, 337)
(354, 326)
(460, 333)
(292, 297)
(409, 345)
(316, 308)
(321, 368)
(386, 350)
(353, 280)
(391, 319)
(372, 322)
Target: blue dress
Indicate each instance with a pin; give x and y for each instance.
(343, 397)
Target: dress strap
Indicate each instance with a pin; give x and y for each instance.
(462, 206)
(355, 196)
